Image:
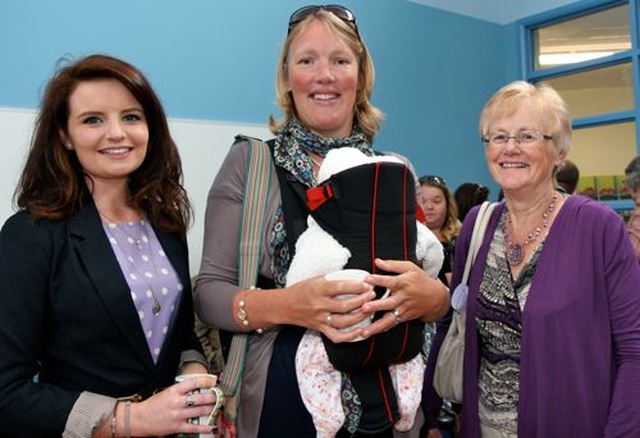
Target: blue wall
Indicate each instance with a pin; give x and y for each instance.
(215, 60)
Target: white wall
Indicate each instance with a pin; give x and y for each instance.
(203, 145)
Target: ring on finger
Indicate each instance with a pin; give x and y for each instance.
(396, 315)
(329, 319)
(188, 402)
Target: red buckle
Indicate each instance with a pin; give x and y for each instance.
(316, 196)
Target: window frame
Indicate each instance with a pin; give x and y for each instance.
(526, 28)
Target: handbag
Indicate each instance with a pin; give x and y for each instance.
(447, 377)
(257, 181)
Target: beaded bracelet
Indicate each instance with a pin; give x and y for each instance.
(242, 312)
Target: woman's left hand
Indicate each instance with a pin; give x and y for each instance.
(413, 294)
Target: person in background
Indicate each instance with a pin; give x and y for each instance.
(97, 314)
(468, 195)
(632, 175)
(324, 82)
(567, 176)
(441, 216)
(553, 309)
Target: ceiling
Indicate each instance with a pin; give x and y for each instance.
(497, 11)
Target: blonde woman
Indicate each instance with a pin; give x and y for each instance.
(552, 340)
(324, 83)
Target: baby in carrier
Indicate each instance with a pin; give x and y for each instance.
(363, 208)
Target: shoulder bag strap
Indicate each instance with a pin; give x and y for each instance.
(459, 296)
(479, 228)
(257, 181)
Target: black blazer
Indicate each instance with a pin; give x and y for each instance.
(66, 315)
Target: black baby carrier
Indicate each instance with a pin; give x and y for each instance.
(371, 210)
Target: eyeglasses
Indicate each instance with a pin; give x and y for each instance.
(339, 11)
(432, 179)
(523, 137)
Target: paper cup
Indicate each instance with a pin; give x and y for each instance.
(207, 419)
(347, 274)
(350, 275)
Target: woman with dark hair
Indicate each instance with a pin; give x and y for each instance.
(96, 312)
(467, 196)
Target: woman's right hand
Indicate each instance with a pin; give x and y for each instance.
(168, 411)
(434, 433)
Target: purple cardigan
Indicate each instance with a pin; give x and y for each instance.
(580, 357)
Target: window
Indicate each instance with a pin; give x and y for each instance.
(590, 56)
(597, 91)
(592, 35)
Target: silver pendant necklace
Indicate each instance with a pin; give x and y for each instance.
(514, 250)
(156, 307)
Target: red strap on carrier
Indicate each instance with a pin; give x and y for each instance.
(316, 196)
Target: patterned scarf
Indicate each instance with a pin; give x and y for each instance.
(292, 143)
(294, 140)
(290, 152)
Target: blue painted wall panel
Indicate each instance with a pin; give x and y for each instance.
(215, 60)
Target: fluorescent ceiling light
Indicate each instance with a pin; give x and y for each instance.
(570, 58)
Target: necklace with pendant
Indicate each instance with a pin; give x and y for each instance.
(111, 225)
(514, 250)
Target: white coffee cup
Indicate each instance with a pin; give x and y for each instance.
(350, 275)
(207, 419)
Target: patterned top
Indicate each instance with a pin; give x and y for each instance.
(154, 283)
(499, 319)
(633, 226)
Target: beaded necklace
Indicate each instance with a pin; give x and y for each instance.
(514, 250)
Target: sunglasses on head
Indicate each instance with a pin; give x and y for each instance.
(433, 179)
(339, 11)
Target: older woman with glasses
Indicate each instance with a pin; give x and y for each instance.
(552, 345)
(324, 81)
